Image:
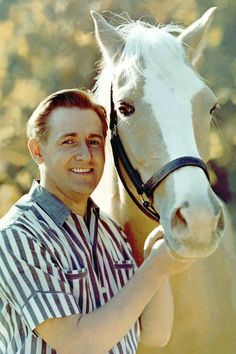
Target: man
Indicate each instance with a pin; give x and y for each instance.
(69, 283)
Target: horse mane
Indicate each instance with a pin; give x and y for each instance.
(145, 45)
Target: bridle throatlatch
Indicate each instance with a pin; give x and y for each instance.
(145, 190)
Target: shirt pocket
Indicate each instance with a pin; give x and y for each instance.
(124, 270)
(78, 281)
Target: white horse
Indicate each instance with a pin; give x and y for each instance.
(163, 113)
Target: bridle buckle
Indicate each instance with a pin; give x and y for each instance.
(146, 203)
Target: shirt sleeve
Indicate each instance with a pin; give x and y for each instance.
(32, 281)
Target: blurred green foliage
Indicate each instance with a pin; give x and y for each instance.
(49, 45)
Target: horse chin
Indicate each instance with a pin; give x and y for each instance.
(186, 249)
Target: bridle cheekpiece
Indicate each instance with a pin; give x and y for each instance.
(145, 190)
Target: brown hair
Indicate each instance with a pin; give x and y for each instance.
(37, 126)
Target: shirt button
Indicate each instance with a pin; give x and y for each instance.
(103, 290)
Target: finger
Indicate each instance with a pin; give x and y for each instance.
(157, 233)
(153, 237)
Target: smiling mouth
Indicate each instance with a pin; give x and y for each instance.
(81, 170)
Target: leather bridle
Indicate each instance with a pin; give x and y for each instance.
(145, 190)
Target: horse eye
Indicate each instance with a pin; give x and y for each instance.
(126, 109)
(216, 105)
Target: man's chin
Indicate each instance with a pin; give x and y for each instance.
(83, 191)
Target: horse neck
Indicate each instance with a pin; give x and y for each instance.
(113, 199)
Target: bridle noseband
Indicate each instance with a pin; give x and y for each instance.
(145, 190)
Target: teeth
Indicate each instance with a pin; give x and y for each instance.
(81, 170)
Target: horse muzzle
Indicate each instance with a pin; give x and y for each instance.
(195, 229)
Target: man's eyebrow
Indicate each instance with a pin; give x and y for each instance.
(96, 136)
(66, 135)
(93, 135)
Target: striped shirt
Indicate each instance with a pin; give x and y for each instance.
(54, 264)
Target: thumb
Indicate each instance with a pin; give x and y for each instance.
(156, 234)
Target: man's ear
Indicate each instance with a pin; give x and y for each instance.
(35, 149)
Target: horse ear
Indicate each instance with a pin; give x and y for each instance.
(109, 39)
(193, 37)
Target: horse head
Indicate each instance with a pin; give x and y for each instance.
(164, 111)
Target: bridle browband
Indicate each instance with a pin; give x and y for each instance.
(145, 190)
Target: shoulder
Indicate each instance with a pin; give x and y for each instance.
(16, 213)
(20, 227)
(113, 226)
(106, 219)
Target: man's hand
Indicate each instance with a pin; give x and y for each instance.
(155, 246)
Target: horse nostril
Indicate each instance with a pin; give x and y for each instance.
(179, 218)
(186, 220)
(179, 222)
(221, 221)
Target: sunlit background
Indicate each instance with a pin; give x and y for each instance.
(48, 45)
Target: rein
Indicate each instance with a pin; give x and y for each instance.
(145, 190)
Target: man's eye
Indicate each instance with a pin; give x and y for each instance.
(68, 142)
(94, 142)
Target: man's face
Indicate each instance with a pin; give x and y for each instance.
(73, 155)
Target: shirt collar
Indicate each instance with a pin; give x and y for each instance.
(58, 211)
(50, 204)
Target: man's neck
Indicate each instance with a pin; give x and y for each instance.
(76, 203)
(77, 208)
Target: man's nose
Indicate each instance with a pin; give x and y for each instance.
(82, 152)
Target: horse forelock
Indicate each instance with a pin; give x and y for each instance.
(154, 45)
(145, 46)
